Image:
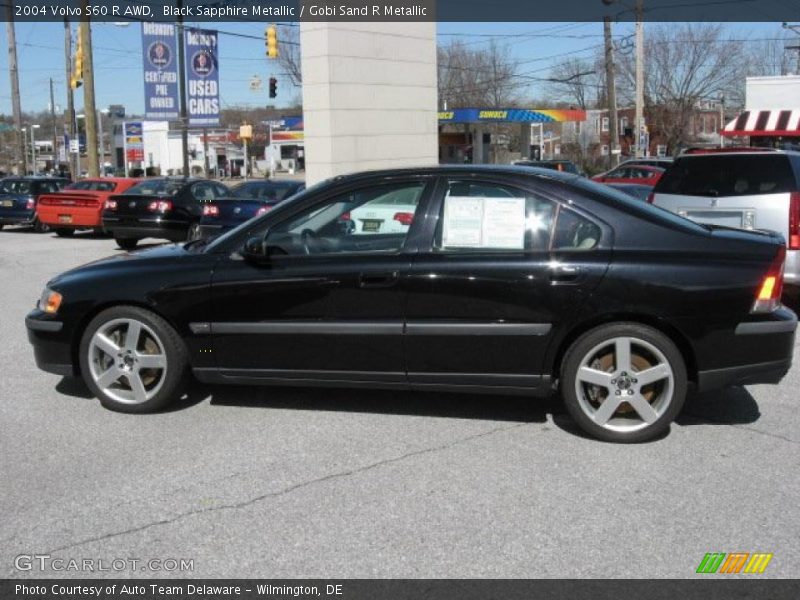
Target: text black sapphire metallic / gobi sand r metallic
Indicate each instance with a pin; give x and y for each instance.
(500, 280)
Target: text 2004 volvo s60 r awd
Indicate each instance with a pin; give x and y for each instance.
(501, 280)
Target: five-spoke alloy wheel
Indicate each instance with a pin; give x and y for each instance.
(624, 382)
(132, 359)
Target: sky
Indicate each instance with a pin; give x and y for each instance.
(118, 58)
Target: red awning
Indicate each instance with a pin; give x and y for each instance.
(765, 123)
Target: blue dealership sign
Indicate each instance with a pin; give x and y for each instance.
(202, 77)
(160, 71)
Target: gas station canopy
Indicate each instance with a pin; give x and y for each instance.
(509, 115)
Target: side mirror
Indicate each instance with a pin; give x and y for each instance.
(255, 250)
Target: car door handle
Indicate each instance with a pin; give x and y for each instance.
(378, 280)
(564, 273)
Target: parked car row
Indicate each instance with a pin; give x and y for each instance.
(131, 209)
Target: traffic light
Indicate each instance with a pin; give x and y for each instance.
(76, 79)
(271, 34)
(273, 87)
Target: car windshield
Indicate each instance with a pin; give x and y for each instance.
(15, 186)
(94, 186)
(265, 190)
(156, 187)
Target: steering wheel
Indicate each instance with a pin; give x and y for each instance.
(307, 240)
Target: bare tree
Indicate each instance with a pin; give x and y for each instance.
(482, 76)
(289, 53)
(579, 80)
(685, 63)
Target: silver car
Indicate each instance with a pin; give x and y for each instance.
(747, 190)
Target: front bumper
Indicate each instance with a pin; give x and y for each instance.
(51, 346)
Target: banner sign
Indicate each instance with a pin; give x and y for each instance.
(134, 142)
(160, 71)
(510, 115)
(202, 77)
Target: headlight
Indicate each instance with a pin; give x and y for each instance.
(50, 301)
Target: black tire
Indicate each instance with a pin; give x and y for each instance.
(585, 344)
(126, 243)
(174, 349)
(65, 233)
(40, 227)
(1, 226)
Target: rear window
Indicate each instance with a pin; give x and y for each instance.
(155, 187)
(728, 175)
(94, 186)
(264, 190)
(15, 186)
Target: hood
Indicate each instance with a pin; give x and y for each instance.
(135, 260)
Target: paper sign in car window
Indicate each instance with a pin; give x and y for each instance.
(463, 222)
(503, 223)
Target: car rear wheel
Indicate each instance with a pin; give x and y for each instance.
(65, 232)
(126, 243)
(132, 360)
(40, 227)
(623, 382)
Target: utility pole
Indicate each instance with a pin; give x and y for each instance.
(89, 109)
(19, 140)
(613, 120)
(55, 131)
(69, 125)
(182, 80)
(639, 76)
(721, 120)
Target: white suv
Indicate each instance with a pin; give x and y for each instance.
(747, 190)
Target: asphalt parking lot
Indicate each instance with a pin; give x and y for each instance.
(313, 483)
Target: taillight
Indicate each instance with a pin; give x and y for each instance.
(263, 210)
(110, 205)
(30, 204)
(404, 218)
(210, 210)
(769, 293)
(651, 197)
(161, 206)
(794, 221)
(345, 216)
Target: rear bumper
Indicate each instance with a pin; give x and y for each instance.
(771, 338)
(51, 344)
(17, 217)
(79, 217)
(174, 231)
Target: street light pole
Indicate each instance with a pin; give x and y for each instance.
(613, 119)
(639, 76)
(33, 149)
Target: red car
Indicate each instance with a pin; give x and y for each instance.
(631, 174)
(80, 205)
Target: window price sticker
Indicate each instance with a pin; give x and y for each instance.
(482, 222)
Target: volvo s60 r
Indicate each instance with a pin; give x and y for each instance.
(504, 280)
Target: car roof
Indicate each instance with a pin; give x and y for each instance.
(461, 171)
(749, 152)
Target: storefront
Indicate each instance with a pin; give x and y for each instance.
(771, 118)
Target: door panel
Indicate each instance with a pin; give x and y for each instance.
(485, 316)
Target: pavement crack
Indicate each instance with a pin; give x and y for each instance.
(712, 421)
(289, 489)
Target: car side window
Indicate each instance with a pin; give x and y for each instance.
(376, 219)
(220, 191)
(479, 216)
(203, 192)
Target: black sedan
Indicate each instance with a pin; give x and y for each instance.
(19, 199)
(247, 200)
(501, 280)
(164, 207)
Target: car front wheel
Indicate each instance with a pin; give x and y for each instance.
(623, 382)
(133, 360)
